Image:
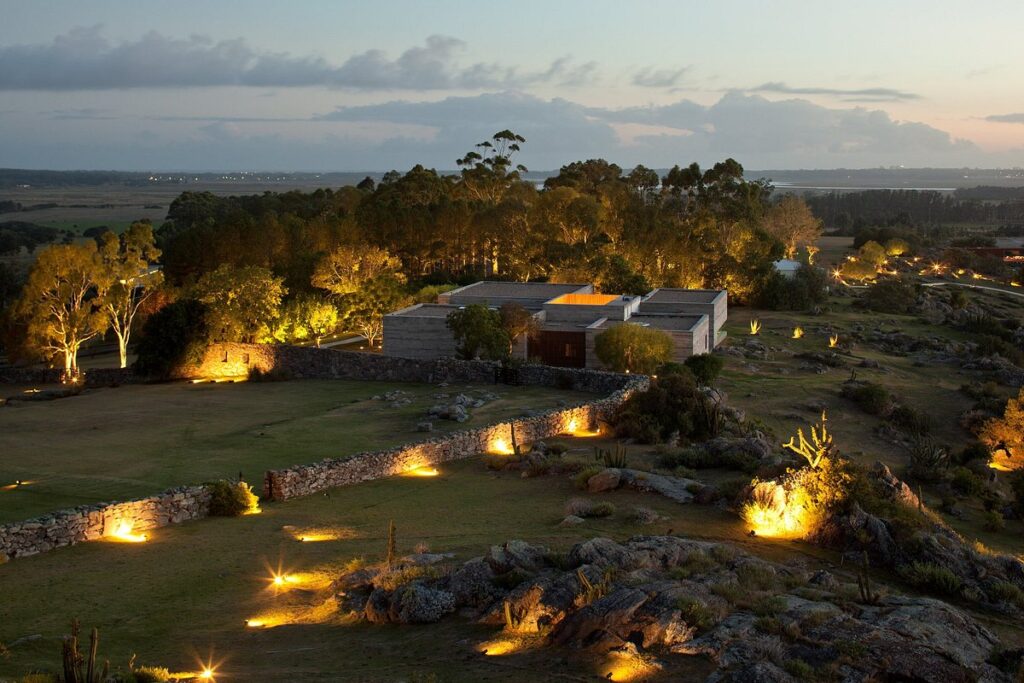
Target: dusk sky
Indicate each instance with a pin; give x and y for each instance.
(269, 85)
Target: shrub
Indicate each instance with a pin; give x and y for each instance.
(697, 458)
(673, 368)
(858, 270)
(697, 614)
(174, 337)
(150, 674)
(633, 348)
(272, 375)
(909, 420)
(672, 404)
(581, 507)
(966, 482)
(800, 670)
(231, 499)
(642, 515)
(889, 296)
(806, 289)
(928, 460)
(993, 521)
(1004, 591)
(583, 476)
(478, 333)
(872, 398)
(705, 367)
(931, 577)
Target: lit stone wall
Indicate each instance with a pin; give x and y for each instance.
(93, 522)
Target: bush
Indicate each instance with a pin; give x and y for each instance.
(873, 399)
(700, 459)
(909, 420)
(633, 348)
(993, 521)
(931, 577)
(581, 507)
(584, 475)
(966, 482)
(889, 296)
(697, 614)
(174, 337)
(928, 460)
(705, 367)
(272, 375)
(231, 499)
(807, 288)
(672, 404)
(150, 674)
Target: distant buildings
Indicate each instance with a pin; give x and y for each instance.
(569, 316)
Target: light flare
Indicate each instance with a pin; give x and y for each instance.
(124, 532)
(798, 332)
(833, 341)
(755, 327)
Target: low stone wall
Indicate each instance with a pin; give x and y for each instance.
(308, 479)
(98, 377)
(92, 522)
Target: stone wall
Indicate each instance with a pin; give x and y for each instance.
(308, 479)
(92, 522)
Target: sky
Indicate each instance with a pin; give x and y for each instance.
(372, 86)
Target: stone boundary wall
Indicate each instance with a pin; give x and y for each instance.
(92, 522)
(101, 377)
(304, 480)
(230, 360)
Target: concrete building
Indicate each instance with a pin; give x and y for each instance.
(569, 317)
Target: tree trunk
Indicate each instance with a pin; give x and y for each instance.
(122, 348)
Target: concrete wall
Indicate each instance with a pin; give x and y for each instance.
(92, 522)
(409, 336)
(717, 312)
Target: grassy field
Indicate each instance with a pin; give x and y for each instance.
(189, 591)
(115, 444)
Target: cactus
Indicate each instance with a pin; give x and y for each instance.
(74, 660)
(867, 594)
(616, 458)
(819, 447)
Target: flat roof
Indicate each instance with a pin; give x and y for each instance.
(426, 311)
(671, 323)
(516, 290)
(574, 299)
(686, 296)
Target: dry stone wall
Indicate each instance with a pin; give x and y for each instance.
(229, 360)
(92, 522)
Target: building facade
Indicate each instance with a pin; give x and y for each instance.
(569, 319)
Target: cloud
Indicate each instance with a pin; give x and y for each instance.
(851, 95)
(659, 78)
(1006, 118)
(83, 59)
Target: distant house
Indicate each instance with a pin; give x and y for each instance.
(787, 267)
(569, 316)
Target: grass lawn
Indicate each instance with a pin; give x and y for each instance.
(132, 441)
(189, 591)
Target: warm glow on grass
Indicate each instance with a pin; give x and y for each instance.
(123, 532)
(755, 327)
(573, 428)
(798, 332)
(628, 666)
(422, 472)
(509, 643)
(833, 341)
(19, 483)
(771, 522)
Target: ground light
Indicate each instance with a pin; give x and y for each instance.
(755, 327)
(798, 332)
(629, 666)
(833, 341)
(421, 472)
(500, 446)
(124, 532)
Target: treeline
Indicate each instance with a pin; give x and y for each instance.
(593, 222)
(849, 211)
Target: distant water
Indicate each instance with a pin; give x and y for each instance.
(781, 184)
(1009, 242)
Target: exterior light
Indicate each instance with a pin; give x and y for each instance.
(833, 341)
(798, 332)
(755, 327)
(123, 532)
(421, 472)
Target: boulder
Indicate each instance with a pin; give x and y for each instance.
(605, 480)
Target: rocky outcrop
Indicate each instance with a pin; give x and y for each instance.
(665, 597)
(678, 489)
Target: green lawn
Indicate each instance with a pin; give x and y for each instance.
(191, 588)
(132, 441)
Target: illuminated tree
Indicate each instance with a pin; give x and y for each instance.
(633, 348)
(818, 448)
(1005, 436)
(127, 280)
(242, 303)
(873, 253)
(347, 269)
(365, 309)
(516, 321)
(897, 246)
(858, 270)
(306, 317)
(59, 302)
(792, 223)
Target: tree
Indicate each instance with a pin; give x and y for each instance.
(242, 303)
(791, 222)
(478, 333)
(897, 246)
(59, 302)
(347, 269)
(633, 348)
(127, 280)
(858, 270)
(1005, 436)
(306, 317)
(872, 252)
(174, 337)
(516, 321)
(487, 174)
(365, 309)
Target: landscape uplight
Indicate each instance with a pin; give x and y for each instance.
(833, 341)
(124, 532)
(755, 327)
(798, 332)
(421, 472)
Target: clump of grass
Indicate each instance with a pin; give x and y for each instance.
(642, 515)
(769, 605)
(390, 580)
(993, 521)
(1004, 591)
(581, 507)
(583, 476)
(756, 576)
(800, 670)
(723, 553)
(698, 614)
(931, 577)
(731, 592)
(150, 674)
(697, 562)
